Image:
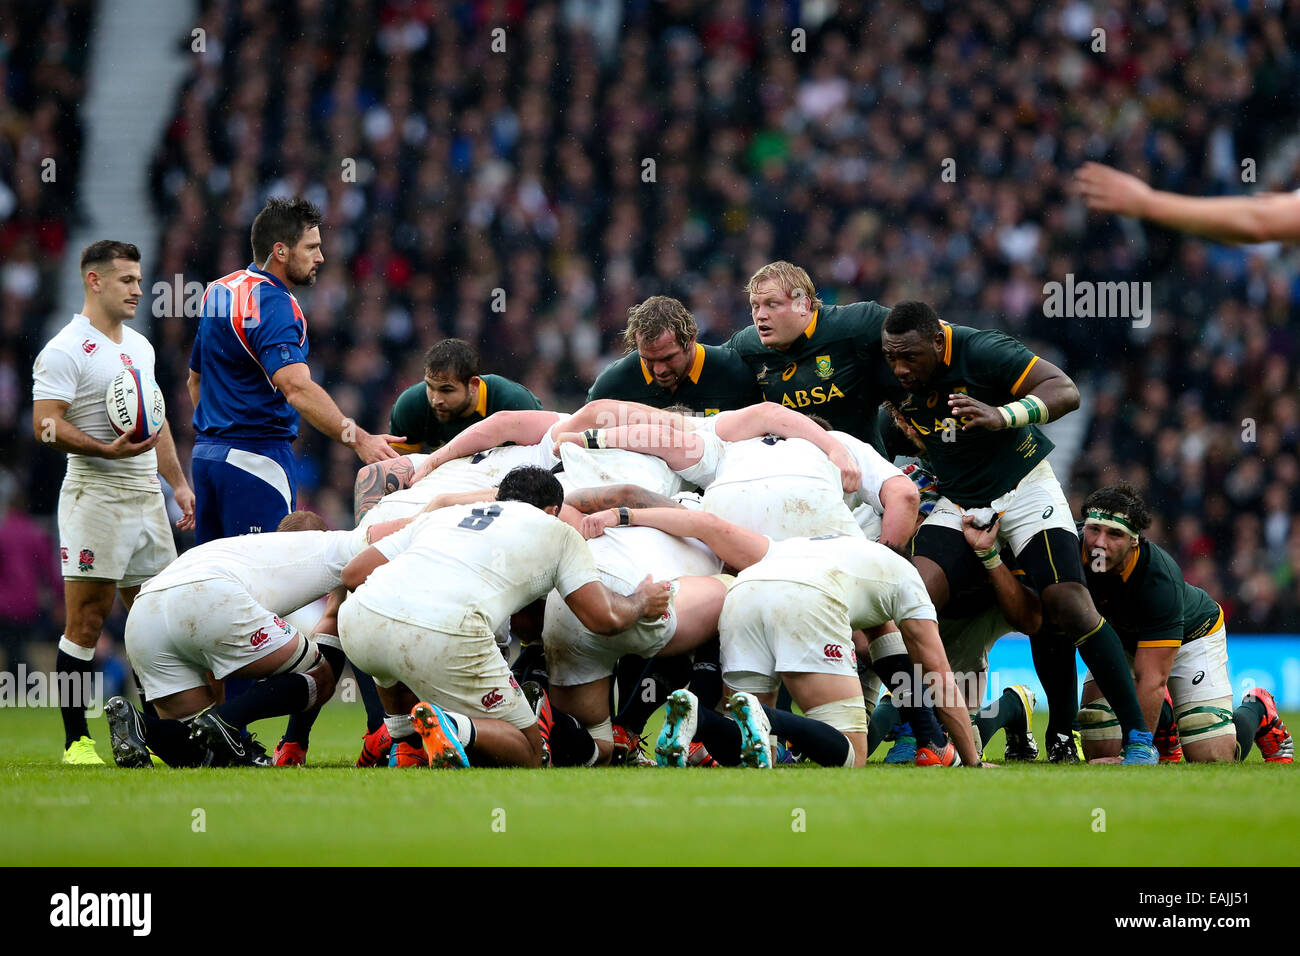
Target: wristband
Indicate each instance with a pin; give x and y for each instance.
(624, 517)
(1029, 410)
(989, 557)
(593, 438)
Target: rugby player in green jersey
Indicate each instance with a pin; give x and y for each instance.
(812, 357)
(452, 397)
(1174, 634)
(974, 398)
(665, 365)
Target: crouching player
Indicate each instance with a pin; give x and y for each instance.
(581, 663)
(216, 612)
(1173, 632)
(429, 599)
(789, 617)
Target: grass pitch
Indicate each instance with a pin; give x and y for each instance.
(332, 814)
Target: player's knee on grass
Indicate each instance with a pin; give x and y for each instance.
(1206, 729)
(849, 717)
(1100, 729)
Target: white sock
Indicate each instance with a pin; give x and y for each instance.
(75, 650)
(399, 727)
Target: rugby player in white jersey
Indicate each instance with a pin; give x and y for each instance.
(789, 617)
(216, 612)
(770, 469)
(581, 663)
(113, 528)
(428, 600)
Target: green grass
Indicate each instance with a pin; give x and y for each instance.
(330, 813)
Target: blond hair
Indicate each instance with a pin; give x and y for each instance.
(793, 281)
(657, 315)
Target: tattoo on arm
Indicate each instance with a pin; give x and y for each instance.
(591, 500)
(381, 478)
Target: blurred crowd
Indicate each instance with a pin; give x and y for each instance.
(580, 155)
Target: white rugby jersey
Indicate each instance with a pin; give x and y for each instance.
(466, 569)
(873, 582)
(624, 556)
(76, 366)
(875, 472)
(478, 472)
(772, 457)
(280, 570)
(594, 467)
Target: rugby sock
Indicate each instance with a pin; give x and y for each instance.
(1054, 663)
(298, 730)
(369, 696)
(883, 720)
(571, 744)
(629, 673)
(896, 671)
(76, 662)
(720, 736)
(1102, 651)
(783, 698)
(146, 707)
(1166, 720)
(706, 674)
(1246, 720)
(274, 697)
(235, 687)
(660, 677)
(996, 715)
(818, 742)
(170, 740)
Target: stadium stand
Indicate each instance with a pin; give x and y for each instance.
(447, 170)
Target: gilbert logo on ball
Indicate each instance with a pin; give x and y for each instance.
(135, 405)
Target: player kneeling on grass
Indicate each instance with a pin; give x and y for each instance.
(1173, 633)
(789, 617)
(429, 599)
(217, 612)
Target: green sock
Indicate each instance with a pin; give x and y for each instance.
(1246, 719)
(1104, 654)
(1054, 663)
(996, 715)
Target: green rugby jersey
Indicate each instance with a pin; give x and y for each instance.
(1148, 602)
(833, 369)
(717, 381)
(974, 467)
(413, 416)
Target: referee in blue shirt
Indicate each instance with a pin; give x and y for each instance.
(249, 381)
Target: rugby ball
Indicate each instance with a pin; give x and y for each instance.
(135, 405)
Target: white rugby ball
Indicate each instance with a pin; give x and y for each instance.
(135, 405)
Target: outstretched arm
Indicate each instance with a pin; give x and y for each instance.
(1022, 607)
(520, 427)
(1046, 383)
(769, 418)
(590, 500)
(1272, 216)
(611, 413)
(737, 546)
(901, 500)
(607, 612)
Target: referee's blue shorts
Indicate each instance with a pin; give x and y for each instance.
(241, 487)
